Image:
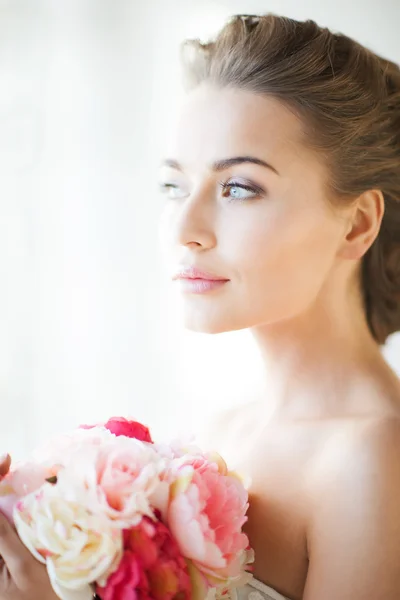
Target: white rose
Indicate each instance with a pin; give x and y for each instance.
(77, 547)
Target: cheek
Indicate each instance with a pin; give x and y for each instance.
(164, 227)
(285, 256)
(166, 243)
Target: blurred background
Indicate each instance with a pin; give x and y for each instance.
(87, 330)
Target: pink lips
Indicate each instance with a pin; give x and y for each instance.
(195, 281)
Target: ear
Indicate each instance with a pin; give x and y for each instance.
(364, 225)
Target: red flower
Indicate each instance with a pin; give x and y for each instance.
(152, 567)
(132, 429)
(122, 584)
(121, 426)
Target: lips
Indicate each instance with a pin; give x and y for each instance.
(193, 273)
(196, 281)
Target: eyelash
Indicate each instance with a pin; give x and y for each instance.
(224, 186)
(164, 187)
(254, 189)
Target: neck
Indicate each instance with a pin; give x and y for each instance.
(313, 360)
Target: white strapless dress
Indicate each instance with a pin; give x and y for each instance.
(255, 590)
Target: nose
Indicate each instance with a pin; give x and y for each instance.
(195, 222)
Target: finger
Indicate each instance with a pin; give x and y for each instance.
(5, 581)
(5, 464)
(16, 556)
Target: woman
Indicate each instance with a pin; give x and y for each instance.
(283, 216)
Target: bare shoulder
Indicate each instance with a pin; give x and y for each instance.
(364, 446)
(359, 453)
(381, 435)
(355, 512)
(377, 453)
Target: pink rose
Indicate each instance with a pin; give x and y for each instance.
(152, 567)
(206, 513)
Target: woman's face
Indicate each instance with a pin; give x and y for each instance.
(246, 203)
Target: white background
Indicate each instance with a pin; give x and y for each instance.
(87, 88)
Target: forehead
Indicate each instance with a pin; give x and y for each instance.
(215, 123)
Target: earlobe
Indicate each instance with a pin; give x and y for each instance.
(364, 225)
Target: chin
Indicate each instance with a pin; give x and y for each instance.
(206, 328)
(208, 324)
(221, 320)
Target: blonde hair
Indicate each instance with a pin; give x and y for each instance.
(349, 101)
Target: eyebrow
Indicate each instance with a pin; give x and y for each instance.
(225, 163)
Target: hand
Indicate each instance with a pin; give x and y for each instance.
(5, 464)
(22, 577)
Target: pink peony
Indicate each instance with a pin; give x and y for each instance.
(23, 479)
(206, 513)
(152, 567)
(115, 480)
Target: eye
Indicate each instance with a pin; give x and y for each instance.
(236, 190)
(173, 191)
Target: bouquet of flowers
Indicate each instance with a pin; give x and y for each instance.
(114, 514)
